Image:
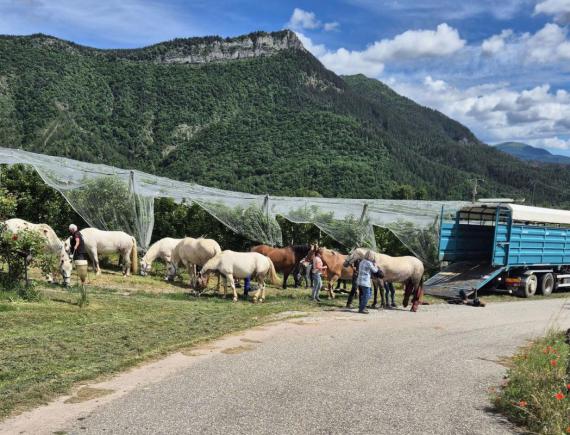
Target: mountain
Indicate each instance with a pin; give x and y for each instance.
(528, 152)
(256, 113)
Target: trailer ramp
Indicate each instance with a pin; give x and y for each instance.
(462, 276)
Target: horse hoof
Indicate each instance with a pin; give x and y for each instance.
(235, 300)
(260, 300)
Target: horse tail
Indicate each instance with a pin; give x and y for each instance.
(273, 277)
(134, 257)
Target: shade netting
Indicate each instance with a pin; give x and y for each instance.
(111, 198)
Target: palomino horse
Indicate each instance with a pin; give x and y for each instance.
(108, 242)
(286, 260)
(233, 265)
(161, 249)
(53, 244)
(191, 253)
(335, 267)
(407, 270)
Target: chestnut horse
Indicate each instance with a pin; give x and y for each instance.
(286, 260)
(335, 267)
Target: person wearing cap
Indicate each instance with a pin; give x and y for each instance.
(76, 243)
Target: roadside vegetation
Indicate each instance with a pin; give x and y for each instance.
(537, 392)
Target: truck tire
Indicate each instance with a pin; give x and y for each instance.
(546, 284)
(528, 286)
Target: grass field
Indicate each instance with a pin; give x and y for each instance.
(48, 345)
(536, 395)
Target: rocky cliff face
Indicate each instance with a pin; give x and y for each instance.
(253, 45)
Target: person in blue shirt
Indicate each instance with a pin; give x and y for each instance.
(366, 268)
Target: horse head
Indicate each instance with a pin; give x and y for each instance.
(202, 280)
(145, 267)
(65, 267)
(171, 271)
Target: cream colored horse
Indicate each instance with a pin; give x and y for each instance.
(110, 242)
(191, 253)
(161, 249)
(407, 270)
(239, 265)
(53, 244)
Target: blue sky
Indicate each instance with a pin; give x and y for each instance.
(500, 67)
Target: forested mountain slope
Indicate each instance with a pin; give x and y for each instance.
(256, 113)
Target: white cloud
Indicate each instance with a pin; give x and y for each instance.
(495, 43)
(305, 20)
(553, 143)
(301, 19)
(412, 44)
(333, 25)
(559, 9)
(496, 113)
(549, 44)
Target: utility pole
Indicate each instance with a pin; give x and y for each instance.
(475, 185)
(533, 189)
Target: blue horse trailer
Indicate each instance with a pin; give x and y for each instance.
(512, 247)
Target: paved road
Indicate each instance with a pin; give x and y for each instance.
(390, 372)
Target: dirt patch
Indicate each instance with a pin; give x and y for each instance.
(238, 349)
(88, 393)
(249, 340)
(303, 323)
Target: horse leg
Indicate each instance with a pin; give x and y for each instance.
(417, 299)
(285, 277)
(260, 285)
(225, 287)
(375, 302)
(192, 274)
(230, 278)
(330, 287)
(95, 257)
(408, 289)
(126, 256)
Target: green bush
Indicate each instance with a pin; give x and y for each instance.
(537, 391)
(14, 248)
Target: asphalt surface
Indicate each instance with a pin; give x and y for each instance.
(386, 373)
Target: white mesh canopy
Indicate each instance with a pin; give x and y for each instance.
(110, 198)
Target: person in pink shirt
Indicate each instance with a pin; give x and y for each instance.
(318, 269)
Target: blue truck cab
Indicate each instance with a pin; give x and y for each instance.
(512, 247)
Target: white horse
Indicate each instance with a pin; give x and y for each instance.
(53, 244)
(233, 265)
(191, 253)
(108, 242)
(407, 270)
(161, 249)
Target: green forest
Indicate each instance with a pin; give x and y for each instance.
(279, 124)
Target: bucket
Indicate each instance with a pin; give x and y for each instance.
(81, 268)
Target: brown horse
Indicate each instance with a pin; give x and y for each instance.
(335, 267)
(285, 260)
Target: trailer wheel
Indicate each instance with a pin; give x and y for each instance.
(546, 284)
(529, 286)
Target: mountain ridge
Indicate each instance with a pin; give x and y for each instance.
(279, 123)
(530, 153)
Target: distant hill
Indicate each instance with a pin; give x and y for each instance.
(256, 113)
(530, 153)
